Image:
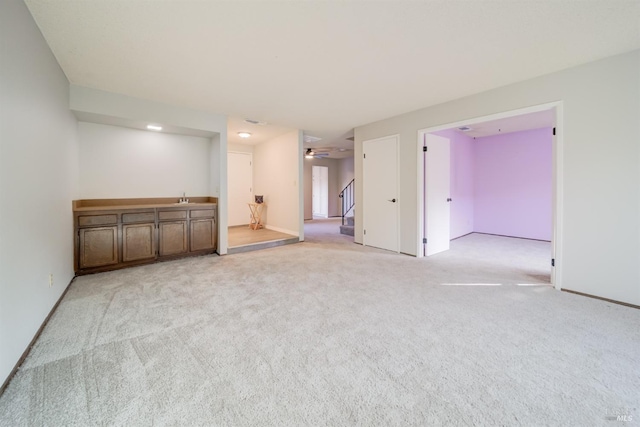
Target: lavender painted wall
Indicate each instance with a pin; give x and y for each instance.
(462, 187)
(513, 184)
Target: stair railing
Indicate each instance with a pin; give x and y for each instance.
(348, 200)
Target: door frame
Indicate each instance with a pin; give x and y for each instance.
(557, 179)
(252, 189)
(396, 138)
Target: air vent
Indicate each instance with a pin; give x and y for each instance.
(255, 122)
(309, 138)
(464, 128)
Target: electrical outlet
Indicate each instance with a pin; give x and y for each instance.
(50, 280)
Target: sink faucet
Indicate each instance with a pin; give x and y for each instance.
(184, 199)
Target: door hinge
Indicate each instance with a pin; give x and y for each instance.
(424, 148)
(553, 262)
(424, 240)
(364, 231)
(554, 131)
(365, 156)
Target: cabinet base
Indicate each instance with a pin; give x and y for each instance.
(121, 266)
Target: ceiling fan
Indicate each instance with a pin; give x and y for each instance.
(320, 153)
(311, 153)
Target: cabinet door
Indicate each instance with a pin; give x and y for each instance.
(98, 246)
(173, 238)
(203, 234)
(138, 242)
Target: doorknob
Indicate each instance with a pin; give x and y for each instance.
(392, 200)
(449, 200)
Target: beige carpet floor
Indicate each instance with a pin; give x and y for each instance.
(330, 333)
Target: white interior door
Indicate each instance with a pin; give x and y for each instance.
(240, 187)
(437, 208)
(380, 193)
(320, 191)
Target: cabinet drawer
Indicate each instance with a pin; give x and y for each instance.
(138, 217)
(164, 215)
(89, 220)
(202, 213)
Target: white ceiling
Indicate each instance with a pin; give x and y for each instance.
(325, 66)
(259, 133)
(84, 116)
(537, 120)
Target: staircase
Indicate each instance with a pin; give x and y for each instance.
(347, 196)
(348, 227)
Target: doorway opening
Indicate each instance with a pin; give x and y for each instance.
(240, 187)
(531, 211)
(320, 191)
(242, 235)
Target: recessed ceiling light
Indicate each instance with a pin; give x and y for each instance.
(154, 127)
(244, 134)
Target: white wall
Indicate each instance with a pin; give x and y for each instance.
(345, 172)
(600, 167)
(218, 186)
(240, 148)
(215, 165)
(38, 181)
(117, 162)
(333, 185)
(276, 176)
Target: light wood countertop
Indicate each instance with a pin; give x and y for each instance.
(89, 205)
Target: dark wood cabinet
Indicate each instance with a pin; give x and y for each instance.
(111, 237)
(98, 246)
(138, 242)
(173, 232)
(173, 238)
(203, 234)
(202, 229)
(138, 235)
